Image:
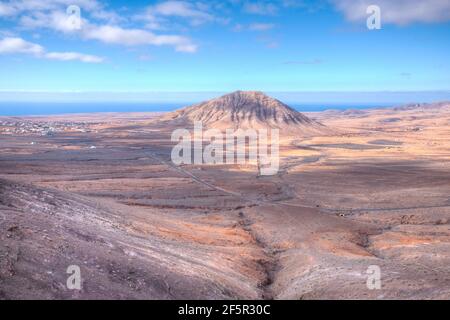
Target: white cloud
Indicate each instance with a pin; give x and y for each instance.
(70, 56)
(6, 10)
(18, 45)
(181, 9)
(45, 16)
(400, 12)
(161, 15)
(253, 27)
(55, 20)
(12, 45)
(188, 48)
(135, 37)
(261, 26)
(260, 8)
(14, 7)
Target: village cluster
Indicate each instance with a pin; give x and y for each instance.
(42, 128)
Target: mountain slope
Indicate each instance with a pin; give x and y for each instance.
(121, 254)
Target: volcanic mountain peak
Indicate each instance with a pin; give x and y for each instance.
(246, 101)
(247, 110)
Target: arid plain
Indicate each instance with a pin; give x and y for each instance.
(100, 191)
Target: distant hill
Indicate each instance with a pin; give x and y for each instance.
(247, 110)
(414, 106)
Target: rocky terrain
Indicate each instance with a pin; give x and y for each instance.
(373, 192)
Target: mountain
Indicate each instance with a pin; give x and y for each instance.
(247, 110)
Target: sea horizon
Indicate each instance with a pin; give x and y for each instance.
(61, 108)
(51, 103)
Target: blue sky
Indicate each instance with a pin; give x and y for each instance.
(219, 46)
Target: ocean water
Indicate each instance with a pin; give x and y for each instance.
(43, 108)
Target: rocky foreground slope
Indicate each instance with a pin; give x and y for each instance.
(121, 254)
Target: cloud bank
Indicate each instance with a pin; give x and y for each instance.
(51, 14)
(399, 12)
